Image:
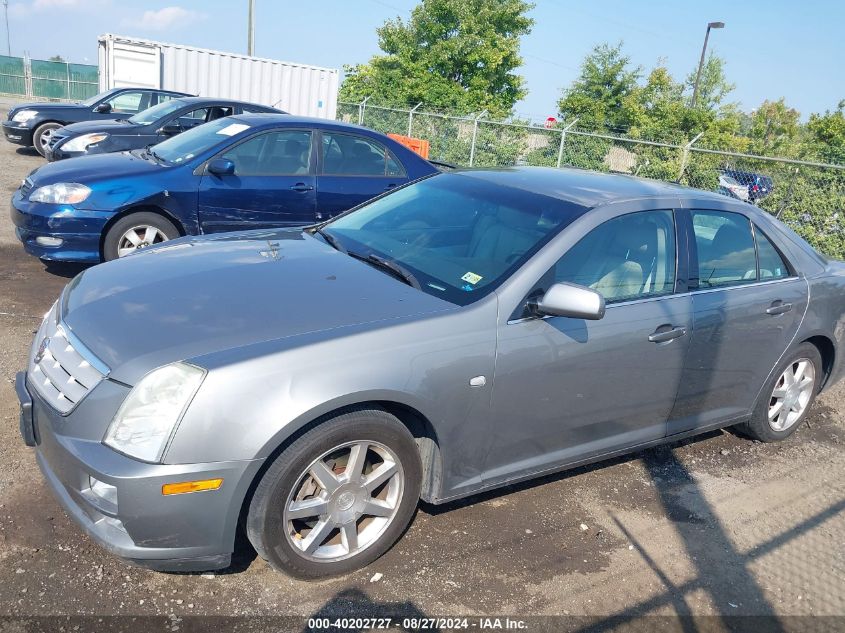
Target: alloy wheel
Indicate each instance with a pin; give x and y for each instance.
(344, 501)
(791, 395)
(139, 237)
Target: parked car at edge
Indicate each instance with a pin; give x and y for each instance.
(242, 172)
(149, 127)
(470, 330)
(758, 185)
(31, 124)
(732, 188)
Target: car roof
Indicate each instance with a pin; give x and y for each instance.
(270, 119)
(583, 187)
(188, 100)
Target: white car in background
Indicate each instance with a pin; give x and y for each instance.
(731, 187)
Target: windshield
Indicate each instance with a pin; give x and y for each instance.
(157, 112)
(187, 145)
(460, 236)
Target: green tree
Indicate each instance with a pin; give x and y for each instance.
(713, 86)
(56, 58)
(453, 55)
(775, 129)
(596, 96)
(826, 136)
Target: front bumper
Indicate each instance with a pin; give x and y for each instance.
(79, 230)
(17, 134)
(187, 532)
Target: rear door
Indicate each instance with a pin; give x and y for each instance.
(274, 184)
(748, 303)
(353, 169)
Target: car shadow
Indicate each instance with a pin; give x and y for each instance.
(68, 270)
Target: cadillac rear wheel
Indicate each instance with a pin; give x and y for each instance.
(137, 231)
(788, 396)
(338, 497)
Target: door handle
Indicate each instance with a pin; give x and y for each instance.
(390, 186)
(778, 307)
(301, 186)
(661, 336)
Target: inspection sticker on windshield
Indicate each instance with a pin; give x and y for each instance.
(472, 278)
(232, 129)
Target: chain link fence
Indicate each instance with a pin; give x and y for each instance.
(43, 79)
(808, 196)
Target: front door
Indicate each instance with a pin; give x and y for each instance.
(747, 308)
(567, 389)
(273, 185)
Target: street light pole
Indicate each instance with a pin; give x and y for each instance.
(250, 40)
(8, 41)
(711, 25)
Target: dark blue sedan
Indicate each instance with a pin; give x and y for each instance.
(236, 173)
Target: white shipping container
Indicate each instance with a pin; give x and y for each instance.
(296, 88)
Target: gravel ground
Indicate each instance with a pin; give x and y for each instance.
(715, 526)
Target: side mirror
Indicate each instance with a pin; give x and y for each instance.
(171, 129)
(103, 108)
(571, 300)
(221, 167)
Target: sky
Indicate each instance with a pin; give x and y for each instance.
(773, 48)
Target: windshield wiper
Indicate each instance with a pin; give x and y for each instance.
(390, 266)
(332, 240)
(152, 153)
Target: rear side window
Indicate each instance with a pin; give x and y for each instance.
(351, 155)
(725, 245)
(772, 265)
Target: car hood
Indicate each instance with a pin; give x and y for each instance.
(85, 169)
(45, 107)
(196, 296)
(115, 126)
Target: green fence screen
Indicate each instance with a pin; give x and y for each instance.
(48, 79)
(12, 76)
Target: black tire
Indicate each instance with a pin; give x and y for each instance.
(265, 525)
(758, 426)
(166, 231)
(40, 131)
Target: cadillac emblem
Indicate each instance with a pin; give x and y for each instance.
(42, 349)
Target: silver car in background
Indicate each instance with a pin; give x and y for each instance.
(467, 331)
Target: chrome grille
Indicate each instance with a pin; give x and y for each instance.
(60, 369)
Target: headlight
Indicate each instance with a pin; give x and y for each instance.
(61, 193)
(23, 116)
(80, 143)
(148, 417)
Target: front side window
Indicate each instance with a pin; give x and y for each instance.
(725, 246)
(130, 102)
(626, 258)
(350, 155)
(460, 236)
(284, 153)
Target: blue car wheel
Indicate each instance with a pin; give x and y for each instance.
(136, 231)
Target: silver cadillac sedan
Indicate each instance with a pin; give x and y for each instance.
(469, 330)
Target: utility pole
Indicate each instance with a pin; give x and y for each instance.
(8, 41)
(250, 39)
(711, 25)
